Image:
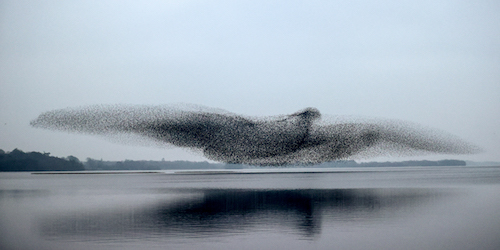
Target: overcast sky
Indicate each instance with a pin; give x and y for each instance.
(436, 63)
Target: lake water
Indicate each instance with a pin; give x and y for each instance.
(344, 208)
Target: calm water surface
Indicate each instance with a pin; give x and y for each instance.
(358, 208)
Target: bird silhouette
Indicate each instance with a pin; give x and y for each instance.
(303, 137)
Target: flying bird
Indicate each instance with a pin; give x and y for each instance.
(304, 137)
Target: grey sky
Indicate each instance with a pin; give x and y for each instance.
(436, 63)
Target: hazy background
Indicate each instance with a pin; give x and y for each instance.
(436, 63)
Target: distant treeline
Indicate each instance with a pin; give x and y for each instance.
(413, 163)
(393, 164)
(92, 164)
(18, 160)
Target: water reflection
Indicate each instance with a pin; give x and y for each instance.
(221, 212)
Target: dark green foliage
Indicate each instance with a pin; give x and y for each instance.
(18, 160)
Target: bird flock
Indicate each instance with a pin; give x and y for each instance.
(304, 137)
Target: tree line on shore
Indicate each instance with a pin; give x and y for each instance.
(17, 160)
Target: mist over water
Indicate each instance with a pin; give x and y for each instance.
(364, 208)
